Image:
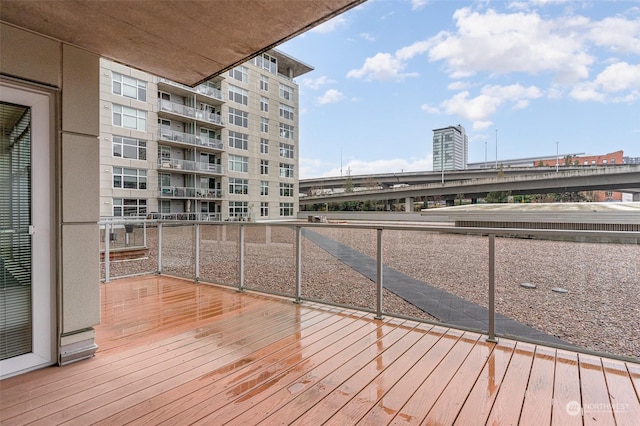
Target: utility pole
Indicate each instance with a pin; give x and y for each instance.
(496, 148)
(557, 146)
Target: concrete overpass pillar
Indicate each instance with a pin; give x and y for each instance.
(474, 201)
(450, 202)
(408, 204)
(636, 196)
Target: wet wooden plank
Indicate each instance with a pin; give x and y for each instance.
(596, 405)
(536, 409)
(567, 403)
(317, 404)
(367, 396)
(449, 404)
(325, 376)
(508, 404)
(421, 402)
(625, 402)
(155, 403)
(392, 402)
(245, 391)
(477, 406)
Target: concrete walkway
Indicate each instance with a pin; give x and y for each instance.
(446, 307)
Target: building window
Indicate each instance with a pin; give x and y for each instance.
(134, 149)
(286, 131)
(604, 162)
(129, 118)
(239, 95)
(129, 207)
(238, 163)
(238, 186)
(125, 178)
(286, 209)
(129, 87)
(286, 150)
(238, 117)
(264, 125)
(286, 112)
(267, 62)
(264, 104)
(240, 73)
(264, 167)
(286, 189)
(286, 92)
(286, 170)
(264, 146)
(264, 209)
(264, 83)
(238, 209)
(238, 140)
(264, 187)
(613, 161)
(165, 206)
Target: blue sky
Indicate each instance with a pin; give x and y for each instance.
(388, 72)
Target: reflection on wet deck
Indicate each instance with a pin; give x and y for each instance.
(177, 353)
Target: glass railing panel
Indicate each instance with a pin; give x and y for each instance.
(270, 259)
(219, 254)
(581, 291)
(178, 250)
(326, 273)
(437, 277)
(132, 248)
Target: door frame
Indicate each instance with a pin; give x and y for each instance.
(44, 350)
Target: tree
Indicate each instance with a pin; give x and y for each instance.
(496, 197)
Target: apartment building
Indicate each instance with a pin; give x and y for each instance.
(224, 150)
(450, 148)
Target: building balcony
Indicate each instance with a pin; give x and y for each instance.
(188, 166)
(180, 112)
(176, 138)
(178, 192)
(177, 350)
(214, 95)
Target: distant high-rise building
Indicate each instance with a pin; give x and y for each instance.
(450, 148)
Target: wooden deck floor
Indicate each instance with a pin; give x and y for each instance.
(172, 352)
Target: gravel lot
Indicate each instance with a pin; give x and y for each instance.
(600, 311)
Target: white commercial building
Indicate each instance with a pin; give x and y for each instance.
(450, 148)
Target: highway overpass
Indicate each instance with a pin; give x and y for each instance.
(476, 184)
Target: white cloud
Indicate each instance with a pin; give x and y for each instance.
(515, 42)
(418, 4)
(482, 125)
(367, 36)
(382, 66)
(361, 167)
(459, 85)
(481, 107)
(608, 85)
(331, 25)
(317, 83)
(430, 109)
(617, 34)
(331, 96)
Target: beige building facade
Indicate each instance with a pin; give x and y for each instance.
(227, 149)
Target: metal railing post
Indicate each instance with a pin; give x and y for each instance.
(241, 258)
(298, 263)
(492, 289)
(107, 257)
(197, 254)
(159, 248)
(379, 274)
(144, 233)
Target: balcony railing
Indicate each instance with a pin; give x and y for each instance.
(202, 89)
(165, 134)
(561, 288)
(186, 111)
(185, 192)
(189, 166)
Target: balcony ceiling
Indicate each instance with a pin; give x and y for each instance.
(186, 41)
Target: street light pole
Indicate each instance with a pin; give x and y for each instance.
(496, 148)
(442, 156)
(557, 146)
(485, 154)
